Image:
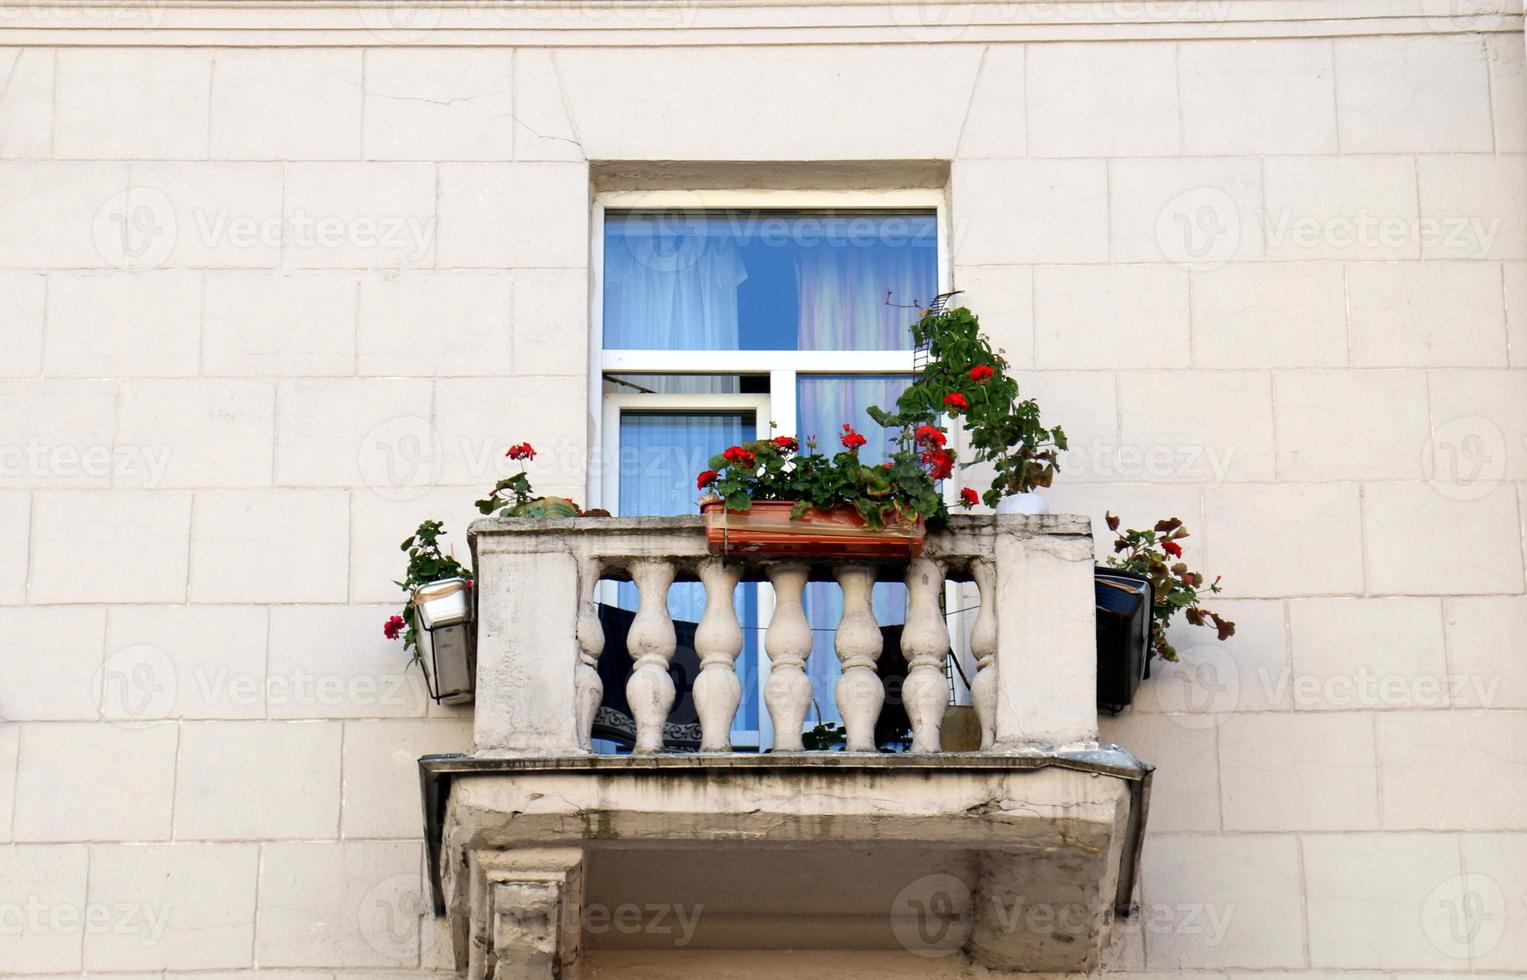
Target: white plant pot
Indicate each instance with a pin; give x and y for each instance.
(445, 602)
(1023, 503)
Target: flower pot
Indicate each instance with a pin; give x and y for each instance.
(1023, 503)
(447, 639)
(543, 507)
(767, 530)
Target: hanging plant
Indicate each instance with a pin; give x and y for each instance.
(1157, 555)
(427, 564)
(966, 378)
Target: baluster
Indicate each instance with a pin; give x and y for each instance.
(858, 644)
(983, 645)
(925, 643)
(649, 690)
(718, 640)
(588, 689)
(788, 644)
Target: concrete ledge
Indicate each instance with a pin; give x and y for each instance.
(1056, 830)
(503, 23)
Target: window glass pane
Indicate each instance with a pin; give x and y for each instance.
(766, 280)
(660, 454)
(825, 402)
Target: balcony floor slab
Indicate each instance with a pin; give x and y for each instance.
(1025, 858)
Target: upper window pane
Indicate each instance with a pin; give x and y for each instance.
(766, 280)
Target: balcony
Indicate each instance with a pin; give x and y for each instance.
(1018, 856)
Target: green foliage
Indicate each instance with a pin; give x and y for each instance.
(426, 563)
(1155, 554)
(999, 427)
(519, 490)
(775, 469)
(514, 497)
(824, 737)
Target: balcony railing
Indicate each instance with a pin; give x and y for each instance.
(540, 640)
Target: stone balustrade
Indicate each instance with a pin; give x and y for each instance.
(539, 635)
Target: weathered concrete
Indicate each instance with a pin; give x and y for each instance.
(1012, 861)
(537, 638)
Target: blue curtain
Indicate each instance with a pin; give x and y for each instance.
(765, 280)
(824, 403)
(660, 453)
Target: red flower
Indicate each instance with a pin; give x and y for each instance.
(981, 372)
(1172, 548)
(940, 463)
(969, 497)
(393, 628)
(787, 443)
(522, 451)
(930, 435)
(852, 439)
(705, 479)
(956, 401)
(741, 457)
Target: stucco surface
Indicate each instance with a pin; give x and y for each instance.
(276, 283)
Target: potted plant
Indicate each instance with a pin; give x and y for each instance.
(1156, 555)
(966, 378)
(521, 500)
(436, 624)
(769, 497)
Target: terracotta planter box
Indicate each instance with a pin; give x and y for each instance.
(766, 530)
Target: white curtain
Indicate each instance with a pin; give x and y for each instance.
(825, 403)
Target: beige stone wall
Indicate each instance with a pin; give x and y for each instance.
(275, 283)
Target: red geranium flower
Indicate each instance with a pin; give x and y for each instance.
(940, 463)
(930, 435)
(852, 439)
(1172, 548)
(521, 451)
(740, 456)
(956, 401)
(969, 497)
(981, 372)
(393, 628)
(705, 479)
(787, 443)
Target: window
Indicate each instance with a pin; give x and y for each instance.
(717, 314)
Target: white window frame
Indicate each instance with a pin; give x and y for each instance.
(782, 366)
(617, 402)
